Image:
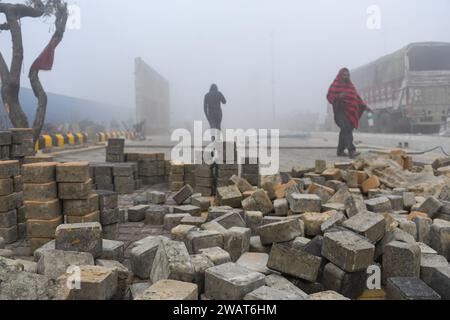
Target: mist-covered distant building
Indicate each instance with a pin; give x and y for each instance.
(152, 99)
(69, 110)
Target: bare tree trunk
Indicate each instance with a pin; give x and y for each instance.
(11, 77)
(41, 111)
(38, 90)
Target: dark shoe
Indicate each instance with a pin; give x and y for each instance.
(354, 154)
(342, 155)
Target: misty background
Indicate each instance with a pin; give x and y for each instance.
(242, 45)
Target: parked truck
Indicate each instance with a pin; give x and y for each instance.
(408, 90)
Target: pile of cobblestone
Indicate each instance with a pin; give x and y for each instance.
(330, 232)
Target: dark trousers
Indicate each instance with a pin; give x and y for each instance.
(346, 134)
(214, 117)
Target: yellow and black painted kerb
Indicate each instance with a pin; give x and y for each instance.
(48, 141)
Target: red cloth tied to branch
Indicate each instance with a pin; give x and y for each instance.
(46, 58)
(352, 103)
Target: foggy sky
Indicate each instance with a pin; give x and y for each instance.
(194, 43)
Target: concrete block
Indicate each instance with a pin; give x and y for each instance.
(9, 235)
(143, 256)
(97, 283)
(390, 236)
(194, 221)
(202, 239)
(280, 232)
(55, 263)
(90, 217)
(351, 285)
(334, 221)
(137, 213)
(371, 183)
(409, 288)
(155, 215)
(253, 220)
(6, 187)
(173, 220)
(440, 237)
(237, 242)
(9, 169)
(37, 228)
(107, 199)
(327, 295)
(231, 219)
(156, 197)
(280, 283)
(428, 263)
(297, 263)
(81, 207)
(83, 237)
(368, 224)
(181, 196)
(440, 282)
(401, 260)
(72, 172)
(379, 205)
(123, 275)
(314, 220)
(348, 250)
(170, 290)
(231, 282)
(258, 201)
(40, 191)
(217, 255)
(113, 250)
(255, 262)
(302, 203)
(75, 190)
(180, 232)
(431, 206)
(39, 172)
(281, 207)
(256, 245)
(190, 209)
(172, 261)
(8, 219)
(204, 203)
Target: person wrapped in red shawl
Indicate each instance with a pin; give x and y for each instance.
(348, 109)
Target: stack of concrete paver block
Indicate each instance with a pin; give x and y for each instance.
(16, 144)
(119, 177)
(80, 204)
(115, 150)
(124, 177)
(109, 213)
(323, 235)
(189, 174)
(42, 206)
(11, 200)
(5, 145)
(204, 180)
(250, 171)
(151, 167)
(102, 176)
(318, 237)
(38, 159)
(21, 143)
(176, 177)
(227, 165)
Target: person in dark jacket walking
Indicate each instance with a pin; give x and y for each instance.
(348, 109)
(212, 105)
